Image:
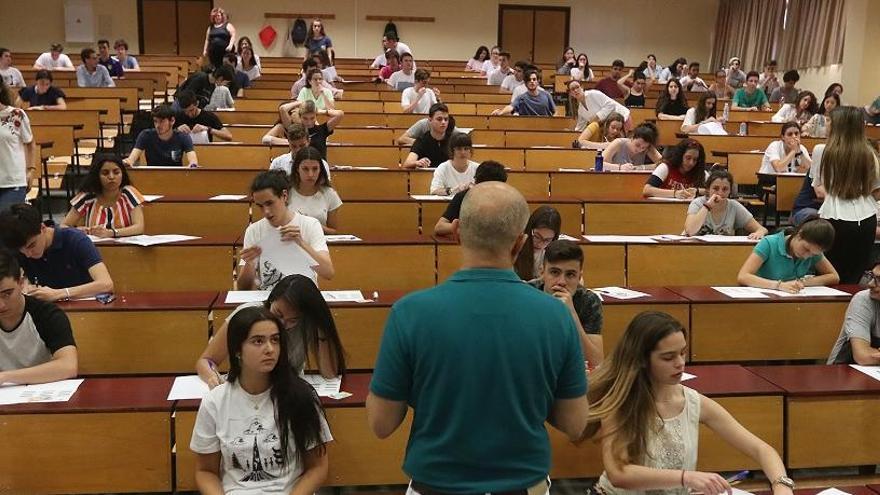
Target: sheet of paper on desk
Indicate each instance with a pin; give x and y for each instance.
(429, 197)
(872, 371)
(742, 292)
(60, 391)
(572, 170)
(371, 168)
(674, 200)
(227, 197)
(95, 239)
(726, 238)
(246, 296)
(342, 238)
(687, 376)
(152, 240)
(620, 293)
(566, 237)
(287, 257)
(832, 491)
(631, 239)
(818, 291)
(737, 491)
(152, 197)
(670, 237)
(343, 296)
(188, 387)
(326, 387)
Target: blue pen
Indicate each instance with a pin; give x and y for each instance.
(736, 478)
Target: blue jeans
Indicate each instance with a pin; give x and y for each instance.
(799, 216)
(11, 195)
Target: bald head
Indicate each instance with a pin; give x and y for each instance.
(493, 216)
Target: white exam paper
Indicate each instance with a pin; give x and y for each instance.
(188, 387)
(246, 296)
(326, 387)
(687, 376)
(341, 238)
(152, 240)
(742, 292)
(152, 197)
(872, 371)
(629, 239)
(60, 391)
(620, 293)
(227, 197)
(744, 239)
(566, 237)
(429, 197)
(343, 296)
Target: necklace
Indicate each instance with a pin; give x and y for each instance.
(256, 401)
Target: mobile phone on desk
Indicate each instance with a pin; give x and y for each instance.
(105, 298)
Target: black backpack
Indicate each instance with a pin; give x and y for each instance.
(299, 32)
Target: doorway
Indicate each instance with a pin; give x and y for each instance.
(534, 33)
(173, 27)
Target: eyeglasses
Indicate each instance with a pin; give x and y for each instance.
(537, 239)
(869, 277)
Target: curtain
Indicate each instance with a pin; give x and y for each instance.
(748, 29)
(814, 34)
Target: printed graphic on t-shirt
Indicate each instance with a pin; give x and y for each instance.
(256, 452)
(269, 275)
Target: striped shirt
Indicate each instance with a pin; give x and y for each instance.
(117, 215)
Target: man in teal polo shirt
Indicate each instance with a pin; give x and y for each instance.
(484, 360)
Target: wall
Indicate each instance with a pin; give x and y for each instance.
(817, 79)
(27, 31)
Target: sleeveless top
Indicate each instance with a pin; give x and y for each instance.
(672, 444)
(219, 35)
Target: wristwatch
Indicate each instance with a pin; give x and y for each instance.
(783, 480)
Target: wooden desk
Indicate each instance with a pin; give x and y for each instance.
(352, 440)
(372, 184)
(197, 215)
(238, 156)
(752, 401)
(727, 329)
(392, 263)
(788, 186)
(618, 313)
(181, 181)
(196, 265)
(120, 424)
(645, 217)
(377, 217)
(831, 414)
(140, 332)
(682, 263)
(571, 211)
(598, 185)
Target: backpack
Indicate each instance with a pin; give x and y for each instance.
(299, 32)
(391, 28)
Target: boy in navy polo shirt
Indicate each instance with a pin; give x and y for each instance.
(163, 146)
(60, 264)
(36, 342)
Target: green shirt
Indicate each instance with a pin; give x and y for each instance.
(480, 358)
(744, 100)
(778, 264)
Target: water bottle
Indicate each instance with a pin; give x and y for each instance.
(742, 129)
(820, 126)
(600, 162)
(726, 115)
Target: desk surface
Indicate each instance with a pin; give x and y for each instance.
(203, 241)
(811, 380)
(96, 395)
(147, 301)
(197, 198)
(704, 294)
(357, 384)
(728, 380)
(852, 490)
(385, 299)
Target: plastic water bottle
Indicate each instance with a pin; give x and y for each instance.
(726, 115)
(742, 129)
(820, 127)
(600, 162)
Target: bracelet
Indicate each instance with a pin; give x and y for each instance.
(115, 234)
(67, 291)
(706, 206)
(778, 284)
(682, 478)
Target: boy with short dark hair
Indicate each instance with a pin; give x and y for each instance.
(163, 146)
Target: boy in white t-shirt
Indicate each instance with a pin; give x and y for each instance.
(404, 78)
(419, 98)
(283, 242)
(54, 59)
(457, 173)
(11, 76)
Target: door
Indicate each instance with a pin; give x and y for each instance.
(175, 27)
(534, 33)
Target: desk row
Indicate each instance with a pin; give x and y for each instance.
(111, 338)
(106, 416)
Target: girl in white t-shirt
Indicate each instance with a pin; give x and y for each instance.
(310, 191)
(702, 114)
(263, 431)
(307, 320)
(456, 174)
(801, 113)
(787, 154)
(582, 71)
(476, 63)
(283, 242)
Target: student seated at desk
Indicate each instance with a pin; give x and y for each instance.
(60, 264)
(715, 213)
(648, 422)
(626, 154)
(561, 278)
(598, 137)
(163, 146)
(36, 341)
(486, 171)
(533, 102)
(860, 334)
(419, 98)
(107, 204)
(301, 236)
(201, 125)
(787, 154)
(800, 110)
(315, 92)
(475, 64)
(310, 191)
(43, 95)
(308, 325)
(820, 123)
(457, 173)
(720, 88)
(543, 227)
(750, 97)
(265, 411)
(792, 259)
(305, 113)
(432, 148)
(297, 138)
(418, 129)
(221, 96)
(593, 107)
(701, 119)
(672, 104)
(681, 174)
(405, 77)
